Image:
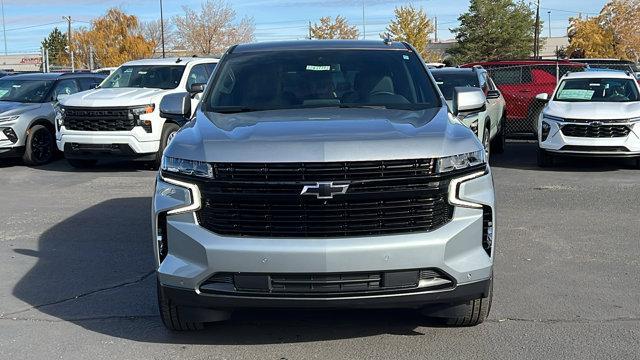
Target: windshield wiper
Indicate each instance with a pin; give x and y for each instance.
(361, 106)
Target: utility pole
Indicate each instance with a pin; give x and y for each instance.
(310, 37)
(68, 19)
(91, 62)
(436, 28)
(4, 29)
(536, 38)
(364, 23)
(162, 28)
(549, 13)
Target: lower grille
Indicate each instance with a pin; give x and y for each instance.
(487, 229)
(594, 148)
(599, 131)
(99, 119)
(326, 284)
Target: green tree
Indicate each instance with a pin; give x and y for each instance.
(495, 30)
(55, 44)
(413, 26)
(338, 29)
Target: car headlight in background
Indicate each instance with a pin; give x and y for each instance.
(544, 133)
(461, 161)
(8, 118)
(187, 167)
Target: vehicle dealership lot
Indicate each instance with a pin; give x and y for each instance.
(78, 282)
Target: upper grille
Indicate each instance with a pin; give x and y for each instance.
(384, 197)
(99, 119)
(597, 131)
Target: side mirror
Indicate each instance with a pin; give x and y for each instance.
(493, 94)
(468, 100)
(196, 88)
(176, 105)
(542, 97)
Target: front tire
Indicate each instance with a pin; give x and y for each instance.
(471, 313)
(168, 131)
(486, 142)
(544, 158)
(39, 147)
(171, 314)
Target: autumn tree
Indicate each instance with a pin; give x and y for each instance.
(55, 43)
(212, 28)
(614, 33)
(589, 39)
(495, 30)
(337, 29)
(113, 38)
(413, 26)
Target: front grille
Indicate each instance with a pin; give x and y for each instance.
(385, 197)
(324, 284)
(98, 119)
(596, 131)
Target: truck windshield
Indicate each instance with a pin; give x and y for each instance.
(597, 90)
(24, 91)
(145, 76)
(448, 81)
(269, 80)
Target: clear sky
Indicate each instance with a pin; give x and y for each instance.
(29, 21)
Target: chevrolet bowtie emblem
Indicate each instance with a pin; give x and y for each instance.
(324, 190)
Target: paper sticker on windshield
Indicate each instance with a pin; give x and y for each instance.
(406, 57)
(319, 67)
(576, 94)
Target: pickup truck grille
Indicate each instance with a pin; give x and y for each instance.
(384, 197)
(98, 119)
(599, 131)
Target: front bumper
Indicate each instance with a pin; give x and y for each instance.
(127, 140)
(558, 143)
(455, 249)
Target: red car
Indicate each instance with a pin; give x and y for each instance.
(520, 82)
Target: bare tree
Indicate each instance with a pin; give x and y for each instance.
(213, 28)
(152, 31)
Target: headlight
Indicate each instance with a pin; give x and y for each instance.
(141, 110)
(552, 118)
(187, 167)
(59, 117)
(458, 162)
(8, 118)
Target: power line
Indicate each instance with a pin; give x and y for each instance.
(35, 26)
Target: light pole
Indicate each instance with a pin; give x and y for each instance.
(162, 28)
(70, 48)
(4, 29)
(364, 23)
(549, 13)
(536, 38)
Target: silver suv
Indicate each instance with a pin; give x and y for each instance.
(323, 174)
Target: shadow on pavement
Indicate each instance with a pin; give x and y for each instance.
(522, 155)
(95, 269)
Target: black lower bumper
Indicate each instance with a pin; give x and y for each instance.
(12, 152)
(104, 151)
(458, 295)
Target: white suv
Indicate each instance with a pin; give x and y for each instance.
(121, 118)
(593, 113)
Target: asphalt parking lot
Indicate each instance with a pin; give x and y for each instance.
(77, 275)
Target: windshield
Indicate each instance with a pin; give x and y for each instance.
(24, 91)
(145, 76)
(321, 78)
(448, 81)
(597, 90)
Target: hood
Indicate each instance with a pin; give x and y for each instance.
(114, 97)
(322, 135)
(593, 110)
(8, 108)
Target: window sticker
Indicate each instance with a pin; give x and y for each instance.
(406, 57)
(318, 67)
(576, 94)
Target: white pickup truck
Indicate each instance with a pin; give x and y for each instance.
(121, 117)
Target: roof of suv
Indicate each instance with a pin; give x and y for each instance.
(180, 61)
(50, 76)
(320, 45)
(605, 74)
(453, 70)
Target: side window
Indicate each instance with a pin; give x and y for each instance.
(484, 84)
(88, 83)
(65, 87)
(210, 67)
(507, 75)
(198, 75)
